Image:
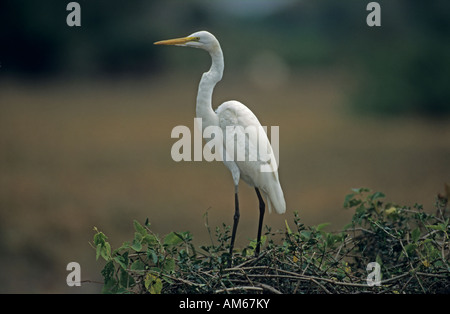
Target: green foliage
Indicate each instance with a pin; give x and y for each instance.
(401, 239)
(410, 245)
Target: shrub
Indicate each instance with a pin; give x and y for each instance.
(409, 245)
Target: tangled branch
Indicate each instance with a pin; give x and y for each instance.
(409, 246)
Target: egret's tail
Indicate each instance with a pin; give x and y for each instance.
(275, 199)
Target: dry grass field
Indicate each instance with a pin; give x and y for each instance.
(78, 155)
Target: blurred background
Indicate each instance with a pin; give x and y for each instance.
(86, 115)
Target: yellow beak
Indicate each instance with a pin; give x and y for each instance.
(176, 41)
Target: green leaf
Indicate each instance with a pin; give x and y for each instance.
(321, 226)
(332, 239)
(169, 265)
(347, 200)
(150, 240)
(151, 254)
(379, 260)
(305, 234)
(98, 251)
(110, 286)
(415, 234)
(108, 271)
(122, 260)
(173, 238)
(250, 250)
(440, 227)
(137, 265)
(153, 284)
(376, 195)
(410, 248)
(125, 280)
(99, 237)
(137, 242)
(289, 231)
(139, 228)
(360, 190)
(350, 201)
(137, 246)
(103, 250)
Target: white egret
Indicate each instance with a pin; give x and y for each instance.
(235, 114)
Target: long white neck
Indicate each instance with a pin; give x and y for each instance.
(205, 89)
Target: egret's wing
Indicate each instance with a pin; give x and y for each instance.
(243, 132)
(233, 115)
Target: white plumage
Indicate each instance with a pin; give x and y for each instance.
(231, 117)
(234, 113)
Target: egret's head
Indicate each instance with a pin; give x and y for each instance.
(202, 39)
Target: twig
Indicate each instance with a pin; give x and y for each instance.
(269, 288)
(239, 288)
(307, 265)
(249, 261)
(320, 285)
(412, 267)
(405, 285)
(383, 229)
(432, 275)
(91, 281)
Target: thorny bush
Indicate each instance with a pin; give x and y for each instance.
(410, 245)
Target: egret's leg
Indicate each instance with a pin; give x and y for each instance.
(235, 222)
(262, 208)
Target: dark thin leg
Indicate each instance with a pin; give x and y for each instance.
(235, 224)
(262, 208)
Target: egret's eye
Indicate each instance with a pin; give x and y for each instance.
(196, 39)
